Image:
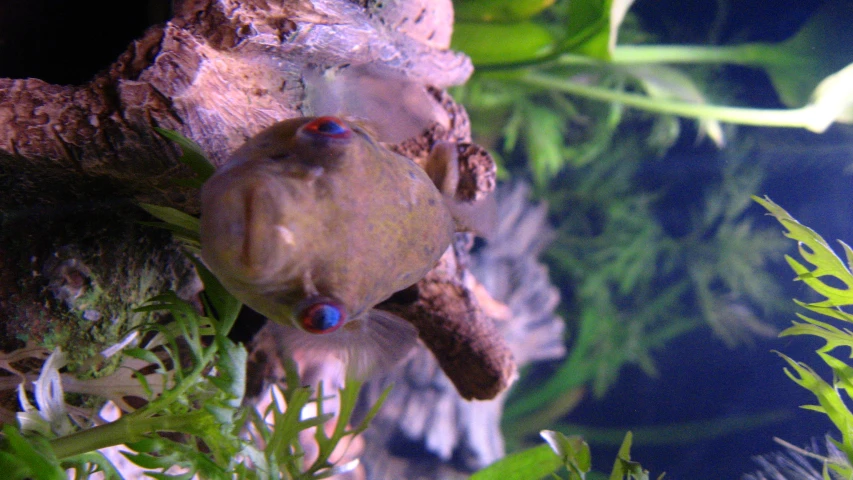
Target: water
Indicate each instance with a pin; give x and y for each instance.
(681, 417)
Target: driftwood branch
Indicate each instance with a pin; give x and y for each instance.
(219, 72)
(424, 410)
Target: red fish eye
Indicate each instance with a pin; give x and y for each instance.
(321, 317)
(330, 127)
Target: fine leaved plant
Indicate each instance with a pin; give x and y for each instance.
(829, 276)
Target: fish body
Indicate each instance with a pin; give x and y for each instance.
(312, 223)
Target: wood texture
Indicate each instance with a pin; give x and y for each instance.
(219, 72)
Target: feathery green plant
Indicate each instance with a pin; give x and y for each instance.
(554, 109)
(635, 285)
(831, 277)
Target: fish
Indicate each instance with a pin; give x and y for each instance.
(313, 222)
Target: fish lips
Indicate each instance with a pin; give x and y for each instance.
(241, 232)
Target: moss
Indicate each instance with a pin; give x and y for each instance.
(78, 273)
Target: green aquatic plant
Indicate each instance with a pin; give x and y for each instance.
(196, 390)
(562, 456)
(632, 282)
(831, 278)
(201, 401)
(539, 65)
(575, 51)
(635, 285)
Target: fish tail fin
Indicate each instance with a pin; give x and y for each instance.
(442, 167)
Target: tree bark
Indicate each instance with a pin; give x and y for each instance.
(217, 73)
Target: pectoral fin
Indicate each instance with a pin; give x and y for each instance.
(398, 109)
(379, 343)
(365, 345)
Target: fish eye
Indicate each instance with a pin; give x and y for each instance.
(321, 316)
(329, 127)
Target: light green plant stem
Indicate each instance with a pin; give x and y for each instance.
(170, 396)
(743, 54)
(123, 430)
(806, 117)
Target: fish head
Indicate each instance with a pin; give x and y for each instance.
(265, 212)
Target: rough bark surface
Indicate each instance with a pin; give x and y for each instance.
(219, 72)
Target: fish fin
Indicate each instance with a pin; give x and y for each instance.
(442, 167)
(377, 340)
(398, 109)
(379, 343)
(480, 216)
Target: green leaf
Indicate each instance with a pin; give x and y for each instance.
(529, 464)
(819, 49)
(27, 458)
(829, 399)
(497, 10)
(173, 217)
(498, 43)
(593, 27)
(573, 451)
(231, 367)
(623, 467)
(217, 299)
(834, 336)
(193, 156)
(815, 251)
(84, 463)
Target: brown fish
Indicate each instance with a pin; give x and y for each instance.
(312, 223)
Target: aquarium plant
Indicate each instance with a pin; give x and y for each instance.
(830, 277)
(192, 379)
(583, 102)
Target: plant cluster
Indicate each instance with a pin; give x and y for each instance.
(190, 378)
(584, 117)
(830, 277)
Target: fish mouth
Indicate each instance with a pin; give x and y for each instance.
(240, 232)
(253, 250)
